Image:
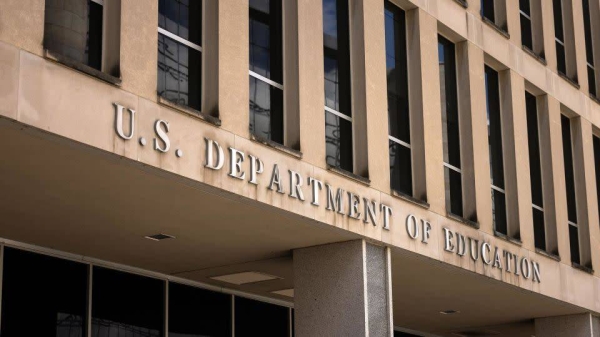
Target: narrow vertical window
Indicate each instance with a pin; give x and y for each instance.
(73, 29)
(526, 24)
(535, 171)
(338, 114)
(596, 141)
(450, 127)
(180, 52)
(495, 150)
(253, 318)
(494, 12)
(570, 188)
(266, 70)
(487, 10)
(397, 93)
(559, 37)
(589, 47)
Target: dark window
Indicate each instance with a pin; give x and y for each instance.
(559, 37)
(495, 149)
(338, 114)
(266, 69)
(74, 29)
(397, 88)
(404, 334)
(42, 295)
(253, 318)
(597, 166)
(570, 187)
(126, 304)
(589, 47)
(526, 31)
(487, 10)
(450, 126)
(535, 170)
(195, 312)
(180, 52)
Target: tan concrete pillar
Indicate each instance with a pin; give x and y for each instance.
(343, 289)
(581, 325)
(311, 82)
(518, 188)
(376, 94)
(470, 63)
(580, 55)
(591, 196)
(558, 168)
(513, 21)
(549, 41)
(233, 67)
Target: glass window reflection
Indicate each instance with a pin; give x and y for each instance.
(253, 318)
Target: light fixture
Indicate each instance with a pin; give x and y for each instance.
(284, 292)
(245, 277)
(449, 312)
(159, 237)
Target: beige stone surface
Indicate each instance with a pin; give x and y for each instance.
(22, 24)
(9, 73)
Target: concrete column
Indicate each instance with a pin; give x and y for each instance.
(549, 41)
(581, 325)
(591, 198)
(343, 289)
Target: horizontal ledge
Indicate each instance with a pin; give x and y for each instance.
(508, 238)
(410, 199)
(535, 55)
(547, 254)
(350, 175)
(282, 148)
(84, 68)
(460, 219)
(462, 3)
(582, 268)
(189, 111)
(569, 80)
(497, 28)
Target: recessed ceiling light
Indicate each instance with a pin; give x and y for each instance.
(284, 292)
(449, 312)
(245, 277)
(159, 237)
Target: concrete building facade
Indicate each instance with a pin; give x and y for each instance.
(300, 167)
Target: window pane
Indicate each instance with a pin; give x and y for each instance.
(597, 165)
(253, 318)
(397, 74)
(182, 18)
(558, 22)
(453, 185)
(535, 169)
(266, 110)
(574, 244)
(494, 127)
(569, 174)
(526, 34)
(265, 39)
(450, 127)
(525, 7)
(400, 168)
(592, 80)
(589, 48)
(94, 38)
(336, 45)
(499, 211)
(561, 58)
(197, 312)
(179, 73)
(539, 230)
(487, 9)
(338, 141)
(52, 306)
(126, 304)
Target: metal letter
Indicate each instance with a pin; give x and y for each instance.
(295, 190)
(411, 227)
(275, 180)
(119, 122)
(256, 167)
(525, 268)
(426, 231)
(162, 134)
(316, 187)
(461, 245)
(210, 163)
(536, 272)
(474, 251)
(336, 205)
(497, 260)
(516, 259)
(235, 164)
(354, 201)
(370, 211)
(486, 256)
(448, 246)
(387, 213)
(508, 256)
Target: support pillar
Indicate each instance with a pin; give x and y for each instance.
(343, 289)
(581, 325)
